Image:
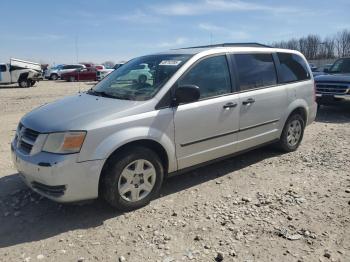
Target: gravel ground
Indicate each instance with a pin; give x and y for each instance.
(259, 206)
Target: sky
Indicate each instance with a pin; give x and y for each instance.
(70, 31)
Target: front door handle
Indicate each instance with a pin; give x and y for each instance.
(248, 101)
(229, 105)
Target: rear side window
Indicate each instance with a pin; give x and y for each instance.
(2, 68)
(292, 68)
(255, 70)
(211, 75)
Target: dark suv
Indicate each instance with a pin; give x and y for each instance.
(335, 85)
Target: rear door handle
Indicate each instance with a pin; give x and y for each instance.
(248, 101)
(229, 105)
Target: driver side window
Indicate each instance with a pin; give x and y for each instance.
(211, 75)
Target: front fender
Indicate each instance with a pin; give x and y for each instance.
(125, 136)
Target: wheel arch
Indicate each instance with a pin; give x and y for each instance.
(148, 143)
(23, 76)
(302, 111)
(297, 106)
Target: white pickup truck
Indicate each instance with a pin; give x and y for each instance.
(25, 73)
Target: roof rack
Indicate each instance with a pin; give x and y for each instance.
(230, 44)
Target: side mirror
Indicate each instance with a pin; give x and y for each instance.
(326, 70)
(186, 94)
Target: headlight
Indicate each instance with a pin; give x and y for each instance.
(64, 142)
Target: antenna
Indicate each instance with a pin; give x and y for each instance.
(211, 38)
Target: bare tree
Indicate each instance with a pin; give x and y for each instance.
(342, 43)
(326, 49)
(314, 47)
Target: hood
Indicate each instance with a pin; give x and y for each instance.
(333, 78)
(78, 112)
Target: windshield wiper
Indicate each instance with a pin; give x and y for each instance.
(99, 93)
(104, 94)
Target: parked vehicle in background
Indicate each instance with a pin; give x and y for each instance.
(100, 67)
(69, 68)
(25, 73)
(84, 74)
(141, 73)
(103, 73)
(87, 65)
(52, 72)
(195, 105)
(116, 66)
(324, 68)
(313, 67)
(321, 70)
(335, 85)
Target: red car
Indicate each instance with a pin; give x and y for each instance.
(84, 74)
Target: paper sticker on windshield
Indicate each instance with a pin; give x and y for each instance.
(170, 62)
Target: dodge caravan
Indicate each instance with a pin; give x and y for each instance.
(120, 139)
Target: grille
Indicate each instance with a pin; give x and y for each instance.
(55, 191)
(331, 88)
(25, 139)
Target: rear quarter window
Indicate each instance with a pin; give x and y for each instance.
(292, 68)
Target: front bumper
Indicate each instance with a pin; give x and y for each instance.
(59, 177)
(345, 97)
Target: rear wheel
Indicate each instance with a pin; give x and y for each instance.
(71, 79)
(132, 179)
(54, 77)
(24, 83)
(292, 133)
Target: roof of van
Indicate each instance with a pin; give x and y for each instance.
(227, 46)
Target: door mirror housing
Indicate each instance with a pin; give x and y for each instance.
(186, 94)
(326, 70)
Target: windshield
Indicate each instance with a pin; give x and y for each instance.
(341, 66)
(141, 78)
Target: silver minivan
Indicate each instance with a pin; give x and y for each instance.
(188, 107)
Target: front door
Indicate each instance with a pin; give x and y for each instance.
(207, 129)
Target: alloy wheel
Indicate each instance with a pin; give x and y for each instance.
(137, 180)
(294, 133)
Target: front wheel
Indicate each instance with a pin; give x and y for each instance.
(71, 79)
(292, 133)
(132, 178)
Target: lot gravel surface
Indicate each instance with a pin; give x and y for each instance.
(259, 206)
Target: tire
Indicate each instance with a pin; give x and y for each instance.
(71, 79)
(54, 77)
(32, 82)
(292, 134)
(24, 83)
(132, 178)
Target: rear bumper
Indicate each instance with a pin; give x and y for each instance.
(312, 113)
(59, 177)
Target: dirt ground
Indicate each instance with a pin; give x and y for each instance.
(259, 206)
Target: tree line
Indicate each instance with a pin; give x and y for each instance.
(315, 47)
